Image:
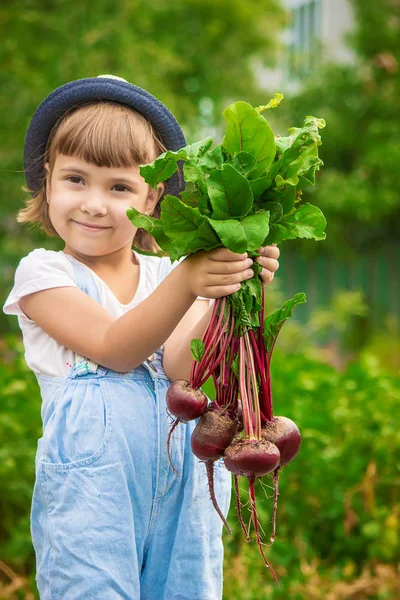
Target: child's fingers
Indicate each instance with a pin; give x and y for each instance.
(266, 276)
(224, 254)
(229, 267)
(270, 251)
(268, 263)
(216, 280)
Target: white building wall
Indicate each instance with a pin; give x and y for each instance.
(316, 33)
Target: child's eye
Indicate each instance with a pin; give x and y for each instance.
(124, 188)
(74, 179)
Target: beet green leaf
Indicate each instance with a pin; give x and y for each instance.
(230, 193)
(274, 322)
(248, 131)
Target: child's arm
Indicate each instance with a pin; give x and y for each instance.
(177, 361)
(79, 323)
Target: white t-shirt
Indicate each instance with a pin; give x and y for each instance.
(42, 269)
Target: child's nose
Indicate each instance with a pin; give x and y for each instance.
(94, 204)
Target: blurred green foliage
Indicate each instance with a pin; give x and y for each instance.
(357, 188)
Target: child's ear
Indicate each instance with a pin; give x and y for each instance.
(154, 197)
(48, 188)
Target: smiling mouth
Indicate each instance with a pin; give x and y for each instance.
(91, 227)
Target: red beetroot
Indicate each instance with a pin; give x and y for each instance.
(251, 458)
(212, 434)
(285, 434)
(185, 402)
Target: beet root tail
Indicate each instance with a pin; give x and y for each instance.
(276, 494)
(256, 530)
(239, 509)
(174, 425)
(210, 476)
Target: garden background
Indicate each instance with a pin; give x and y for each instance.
(336, 366)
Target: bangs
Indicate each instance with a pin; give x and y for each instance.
(105, 134)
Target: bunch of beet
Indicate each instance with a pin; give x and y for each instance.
(239, 425)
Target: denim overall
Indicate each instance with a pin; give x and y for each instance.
(110, 519)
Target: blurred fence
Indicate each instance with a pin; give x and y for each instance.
(375, 274)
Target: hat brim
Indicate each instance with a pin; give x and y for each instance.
(85, 90)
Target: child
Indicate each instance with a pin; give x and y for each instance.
(105, 331)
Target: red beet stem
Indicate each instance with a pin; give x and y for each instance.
(254, 387)
(210, 476)
(207, 339)
(202, 370)
(247, 421)
(256, 530)
(265, 403)
(209, 370)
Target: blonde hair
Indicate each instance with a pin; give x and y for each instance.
(105, 134)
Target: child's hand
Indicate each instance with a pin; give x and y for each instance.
(219, 272)
(216, 273)
(269, 261)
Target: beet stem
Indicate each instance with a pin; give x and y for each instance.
(248, 426)
(255, 522)
(209, 357)
(220, 356)
(265, 406)
(210, 476)
(256, 402)
(208, 337)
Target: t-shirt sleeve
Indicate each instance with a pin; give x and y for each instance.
(40, 270)
(167, 267)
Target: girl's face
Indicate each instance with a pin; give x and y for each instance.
(79, 192)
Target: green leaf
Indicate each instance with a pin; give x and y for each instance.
(198, 149)
(235, 366)
(166, 164)
(275, 210)
(154, 227)
(243, 162)
(197, 349)
(214, 159)
(204, 205)
(259, 185)
(229, 193)
(193, 173)
(244, 235)
(306, 222)
(248, 131)
(273, 323)
(162, 168)
(300, 156)
(190, 198)
(247, 304)
(285, 196)
(187, 229)
(273, 103)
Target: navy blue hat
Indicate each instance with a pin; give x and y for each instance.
(104, 87)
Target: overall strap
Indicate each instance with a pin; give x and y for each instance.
(84, 279)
